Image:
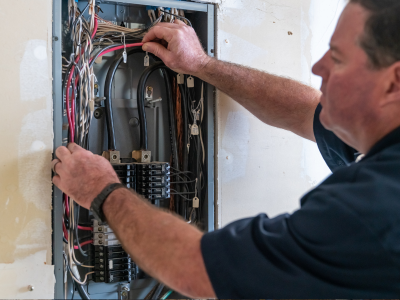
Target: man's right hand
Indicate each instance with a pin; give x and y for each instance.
(178, 46)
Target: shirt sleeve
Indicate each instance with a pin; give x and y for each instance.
(334, 151)
(321, 251)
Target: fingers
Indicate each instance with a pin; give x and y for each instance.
(74, 147)
(157, 49)
(57, 181)
(54, 164)
(179, 22)
(62, 152)
(166, 24)
(159, 32)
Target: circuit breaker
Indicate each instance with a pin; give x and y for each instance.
(156, 127)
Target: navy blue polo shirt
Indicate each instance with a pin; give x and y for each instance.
(344, 241)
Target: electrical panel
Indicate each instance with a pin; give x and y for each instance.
(156, 127)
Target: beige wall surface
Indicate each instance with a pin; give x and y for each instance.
(261, 168)
(26, 132)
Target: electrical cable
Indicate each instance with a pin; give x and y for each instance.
(83, 244)
(176, 16)
(108, 95)
(85, 228)
(166, 295)
(81, 291)
(157, 292)
(72, 274)
(83, 253)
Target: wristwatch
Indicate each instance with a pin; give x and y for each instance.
(97, 205)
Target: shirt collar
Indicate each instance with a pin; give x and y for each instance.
(390, 139)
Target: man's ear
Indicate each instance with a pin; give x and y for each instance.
(392, 86)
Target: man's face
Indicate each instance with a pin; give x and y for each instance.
(350, 87)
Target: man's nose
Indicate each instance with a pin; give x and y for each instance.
(320, 67)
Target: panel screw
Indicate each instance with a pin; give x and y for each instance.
(55, 38)
(100, 242)
(98, 113)
(134, 122)
(102, 278)
(124, 294)
(31, 288)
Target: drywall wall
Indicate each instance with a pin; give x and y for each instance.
(260, 168)
(26, 147)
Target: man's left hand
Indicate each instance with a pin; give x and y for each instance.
(81, 174)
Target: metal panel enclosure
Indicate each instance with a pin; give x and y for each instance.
(125, 112)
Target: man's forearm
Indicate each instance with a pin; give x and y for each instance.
(277, 101)
(163, 245)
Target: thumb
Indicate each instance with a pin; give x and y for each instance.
(157, 49)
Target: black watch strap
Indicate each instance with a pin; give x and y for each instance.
(97, 205)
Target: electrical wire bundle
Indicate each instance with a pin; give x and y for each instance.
(190, 178)
(78, 100)
(90, 39)
(108, 31)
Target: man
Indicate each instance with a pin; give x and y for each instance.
(344, 242)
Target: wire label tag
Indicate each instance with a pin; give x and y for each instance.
(194, 129)
(146, 60)
(180, 78)
(125, 56)
(190, 82)
(196, 202)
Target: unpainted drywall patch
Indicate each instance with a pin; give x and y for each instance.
(32, 270)
(33, 237)
(34, 151)
(34, 71)
(234, 151)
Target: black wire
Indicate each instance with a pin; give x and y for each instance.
(181, 193)
(81, 291)
(141, 90)
(158, 291)
(183, 197)
(180, 17)
(79, 287)
(108, 93)
(74, 288)
(184, 181)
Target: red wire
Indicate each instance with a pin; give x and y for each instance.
(121, 47)
(71, 116)
(83, 244)
(85, 228)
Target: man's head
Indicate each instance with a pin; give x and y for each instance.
(361, 73)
